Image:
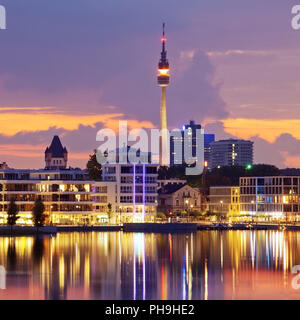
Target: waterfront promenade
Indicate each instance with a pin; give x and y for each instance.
(162, 227)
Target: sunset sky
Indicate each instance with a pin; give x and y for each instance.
(71, 67)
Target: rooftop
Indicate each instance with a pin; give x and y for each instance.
(170, 188)
(56, 148)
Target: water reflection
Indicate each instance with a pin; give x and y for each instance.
(101, 265)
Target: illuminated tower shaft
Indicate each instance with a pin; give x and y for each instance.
(163, 126)
(163, 80)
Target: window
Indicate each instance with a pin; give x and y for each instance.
(260, 190)
(260, 181)
(110, 170)
(151, 170)
(126, 170)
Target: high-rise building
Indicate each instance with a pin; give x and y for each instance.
(208, 139)
(231, 152)
(177, 149)
(163, 80)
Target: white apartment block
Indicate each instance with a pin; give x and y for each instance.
(127, 193)
(136, 190)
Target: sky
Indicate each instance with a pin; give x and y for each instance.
(72, 67)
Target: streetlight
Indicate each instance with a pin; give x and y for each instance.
(191, 210)
(252, 202)
(221, 202)
(187, 203)
(50, 214)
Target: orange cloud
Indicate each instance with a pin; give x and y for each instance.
(22, 150)
(14, 122)
(291, 161)
(263, 128)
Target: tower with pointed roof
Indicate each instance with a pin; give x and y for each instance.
(163, 80)
(56, 156)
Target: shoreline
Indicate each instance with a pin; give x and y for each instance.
(143, 228)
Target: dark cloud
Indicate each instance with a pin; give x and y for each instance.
(90, 55)
(84, 56)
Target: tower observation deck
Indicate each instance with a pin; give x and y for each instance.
(163, 80)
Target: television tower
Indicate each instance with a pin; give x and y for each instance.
(163, 80)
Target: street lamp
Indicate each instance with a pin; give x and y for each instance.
(191, 210)
(187, 204)
(221, 202)
(50, 214)
(252, 202)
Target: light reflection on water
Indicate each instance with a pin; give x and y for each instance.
(117, 265)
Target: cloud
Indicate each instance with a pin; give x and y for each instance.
(266, 129)
(194, 94)
(71, 69)
(12, 123)
(99, 56)
(237, 52)
(283, 152)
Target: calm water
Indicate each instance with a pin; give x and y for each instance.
(103, 265)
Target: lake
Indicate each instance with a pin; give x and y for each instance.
(117, 265)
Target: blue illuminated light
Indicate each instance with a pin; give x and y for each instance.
(183, 280)
(144, 193)
(134, 176)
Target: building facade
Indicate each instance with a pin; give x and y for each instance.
(136, 190)
(178, 198)
(274, 197)
(231, 152)
(127, 192)
(224, 200)
(208, 139)
(66, 195)
(189, 138)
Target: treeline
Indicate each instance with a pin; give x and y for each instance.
(223, 176)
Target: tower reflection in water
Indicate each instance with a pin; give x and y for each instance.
(116, 265)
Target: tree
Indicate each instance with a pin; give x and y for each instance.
(12, 212)
(94, 168)
(260, 170)
(109, 211)
(38, 212)
(160, 215)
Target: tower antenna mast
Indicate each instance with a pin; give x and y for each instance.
(163, 80)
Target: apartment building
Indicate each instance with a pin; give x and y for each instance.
(66, 194)
(127, 193)
(231, 152)
(274, 197)
(136, 190)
